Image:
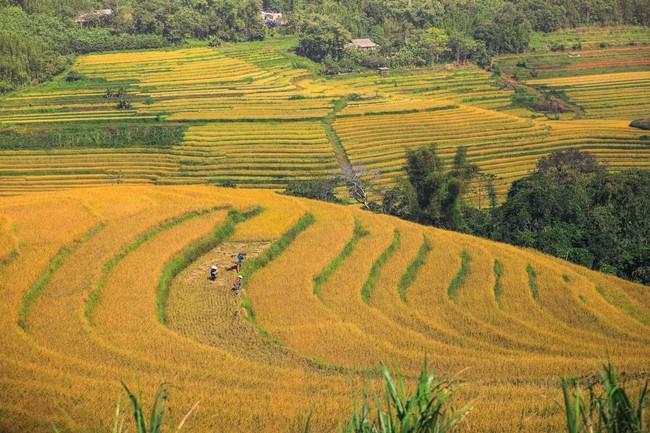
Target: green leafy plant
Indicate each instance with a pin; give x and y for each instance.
(427, 410)
(611, 411)
(156, 417)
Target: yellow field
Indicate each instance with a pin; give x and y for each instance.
(62, 358)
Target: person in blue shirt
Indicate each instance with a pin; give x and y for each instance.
(240, 261)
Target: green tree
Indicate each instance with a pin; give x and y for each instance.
(572, 208)
(462, 45)
(321, 37)
(434, 41)
(430, 195)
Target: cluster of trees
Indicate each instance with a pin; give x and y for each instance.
(35, 47)
(571, 207)
(418, 32)
(39, 38)
(221, 20)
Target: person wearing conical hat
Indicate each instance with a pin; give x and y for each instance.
(236, 285)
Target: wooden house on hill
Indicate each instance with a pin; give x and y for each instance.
(92, 16)
(361, 44)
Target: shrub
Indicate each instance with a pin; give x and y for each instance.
(74, 76)
(123, 104)
(611, 411)
(426, 410)
(317, 189)
(641, 124)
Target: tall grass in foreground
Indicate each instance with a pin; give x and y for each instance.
(156, 416)
(610, 412)
(427, 410)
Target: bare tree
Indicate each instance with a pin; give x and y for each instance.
(359, 181)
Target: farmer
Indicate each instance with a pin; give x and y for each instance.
(213, 272)
(236, 285)
(240, 260)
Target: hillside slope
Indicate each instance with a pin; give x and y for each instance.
(254, 115)
(80, 271)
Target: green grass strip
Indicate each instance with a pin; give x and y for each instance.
(460, 277)
(6, 260)
(412, 269)
(323, 276)
(532, 282)
(274, 251)
(367, 287)
(179, 263)
(498, 273)
(55, 264)
(108, 267)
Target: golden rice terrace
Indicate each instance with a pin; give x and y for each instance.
(92, 295)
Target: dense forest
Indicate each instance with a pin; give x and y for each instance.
(38, 37)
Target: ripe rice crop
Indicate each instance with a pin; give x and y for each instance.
(301, 350)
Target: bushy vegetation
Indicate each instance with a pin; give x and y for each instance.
(38, 39)
(424, 32)
(118, 136)
(611, 410)
(431, 193)
(427, 409)
(571, 207)
(40, 44)
(323, 190)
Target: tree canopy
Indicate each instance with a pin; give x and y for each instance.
(571, 207)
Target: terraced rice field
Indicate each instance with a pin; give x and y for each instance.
(591, 37)
(256, 116)
(623, 95)
(81, 272)
(264, 155)
(506, 146)
(608, 77)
